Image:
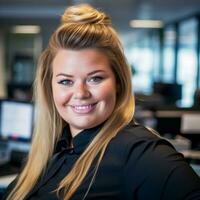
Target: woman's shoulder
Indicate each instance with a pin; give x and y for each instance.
(134, 132)
(138, 140)
(151, 162)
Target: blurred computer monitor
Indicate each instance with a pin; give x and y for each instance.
(190, 128)
(180, 121)
(190, 123)
(168, 122)
(16, 120)
(171, 92)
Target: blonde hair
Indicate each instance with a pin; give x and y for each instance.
(82, 27)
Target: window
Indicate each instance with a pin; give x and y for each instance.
(169, 54)
(187, 60)
(143, 55)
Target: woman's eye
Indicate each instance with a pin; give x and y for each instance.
(96, 79)
(66, 82)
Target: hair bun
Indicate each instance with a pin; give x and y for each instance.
(84, 14)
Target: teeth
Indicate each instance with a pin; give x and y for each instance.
(83, 107)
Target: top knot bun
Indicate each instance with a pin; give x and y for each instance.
(85, 14)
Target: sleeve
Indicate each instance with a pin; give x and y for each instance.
(155, 171)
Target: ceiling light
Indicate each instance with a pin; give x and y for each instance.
(25, 29)
(146, 24)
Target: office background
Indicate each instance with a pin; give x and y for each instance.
(166, 53)
(163, 53)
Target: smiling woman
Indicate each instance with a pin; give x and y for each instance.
(84, 89)
(86, 144)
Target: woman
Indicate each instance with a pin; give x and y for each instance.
(85, 144)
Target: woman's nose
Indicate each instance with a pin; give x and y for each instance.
(81, 91)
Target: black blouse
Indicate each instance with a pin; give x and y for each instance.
(137, 165)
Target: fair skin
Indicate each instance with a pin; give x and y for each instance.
(84, 88)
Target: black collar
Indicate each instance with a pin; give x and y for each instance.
(77, 144)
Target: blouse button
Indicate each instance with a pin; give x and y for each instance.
(71, 151)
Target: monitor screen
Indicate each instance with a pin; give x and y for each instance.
(178, 121)
(16, 120)
(190, 123)
(168, 122)
(170, 91)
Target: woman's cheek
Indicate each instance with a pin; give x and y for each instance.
(63, 97)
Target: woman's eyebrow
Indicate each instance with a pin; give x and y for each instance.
(63, 74)
(71, 76)
(96, 71)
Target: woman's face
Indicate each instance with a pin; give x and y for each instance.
(84, 88)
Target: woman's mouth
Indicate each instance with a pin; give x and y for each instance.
(83, 109)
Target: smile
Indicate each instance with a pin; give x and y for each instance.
(83, 109)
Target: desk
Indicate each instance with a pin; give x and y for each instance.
(193, 154)
(6, 180)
